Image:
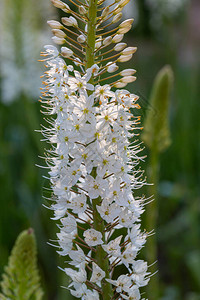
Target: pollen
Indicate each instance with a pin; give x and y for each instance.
(105, 162)
(113, 140)
(86, 111)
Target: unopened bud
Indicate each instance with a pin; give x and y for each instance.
(66, 52)
(98, 43)
(117, 18)
(54, 24)
(58, 3)
(58, 41)
(81, 38)
(77, 61)
(123, 30)
(129, 50)
(107, 41)
(71, 21)
(124, 2)
(117, 38)
(66, 8)
(117, 10)
(82, 10)
(124, 58)
(120, 46)
(128, 79)
(112, 67)
(127, 72)
(126, 23)
(105, 12)
(59, 33)
(120, 84)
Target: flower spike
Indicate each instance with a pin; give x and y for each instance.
(93, 165)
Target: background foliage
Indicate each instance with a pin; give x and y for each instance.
(164, 34)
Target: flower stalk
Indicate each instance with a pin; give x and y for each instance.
(156, 136)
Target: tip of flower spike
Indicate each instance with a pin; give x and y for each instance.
(30, 231)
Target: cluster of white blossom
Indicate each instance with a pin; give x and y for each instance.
(94, 154)
(91, 157)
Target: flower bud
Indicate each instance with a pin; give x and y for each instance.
(128, 79)
(124, 58)
(59, 33)
(112, 67)
(127, 72)
(54, 24)
(117, 10)
(123, 30)
(120, 84)
(117, 38)
(105, 12)
(58, 3)
(82, 10)
(66, 8)
(81, 39)
(124, 2)
(107, 41)
(116, 18)
(98, 43)
(129, 50)
(126, 23)
(119, 46)
(58, 41)
(71, 21)
(66, 52)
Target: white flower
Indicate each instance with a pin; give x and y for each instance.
(78, 277)
(123, 283)
(80, 83)
(93, 237)
(139, 274)
(69, 224)
(95, 187)
(113, 247)
(78, 203)
(108, 211)
(97, 274)
(103, 92)
(77, 256)
(134, 294)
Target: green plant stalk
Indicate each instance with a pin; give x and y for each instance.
(156, 136)
(151, 219)
(91, 33)
(101, 255)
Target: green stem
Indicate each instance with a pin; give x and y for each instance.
(151, 220)
(92, 17)
(99, 225)
(101, 255)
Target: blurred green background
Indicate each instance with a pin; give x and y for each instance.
(165, 32)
